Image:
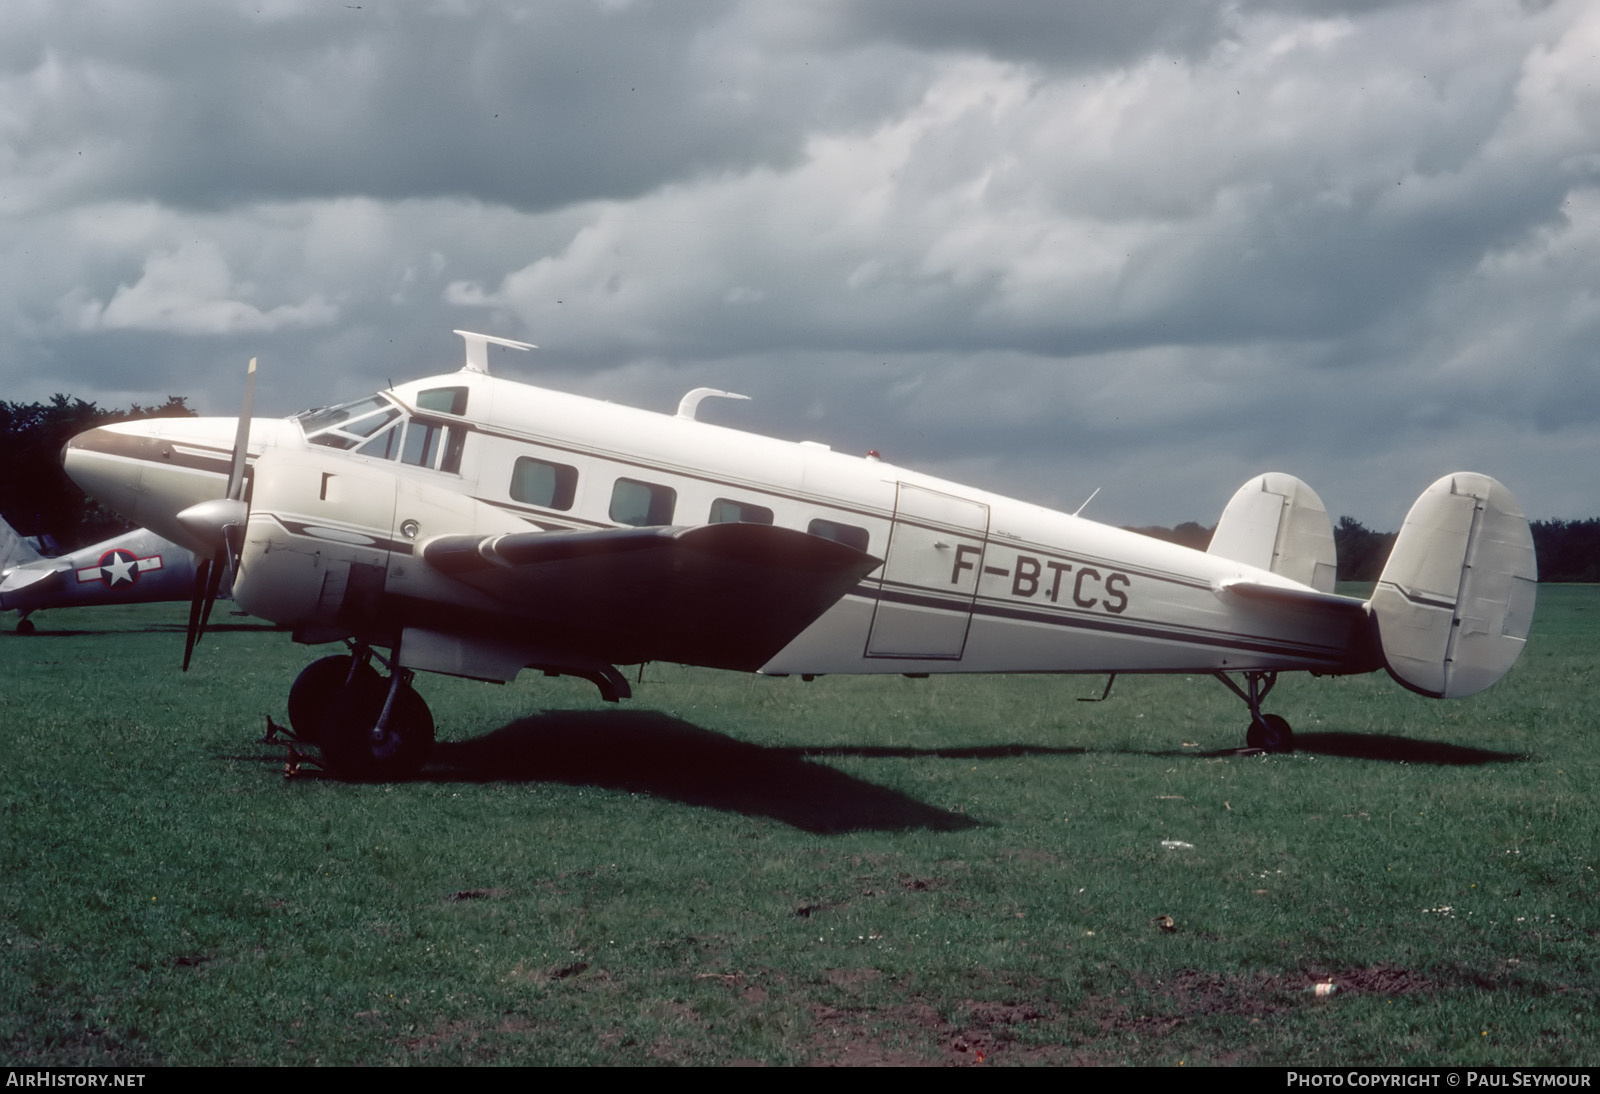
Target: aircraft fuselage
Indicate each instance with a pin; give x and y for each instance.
(970, 582)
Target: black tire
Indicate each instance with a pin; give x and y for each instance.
(315, 689)
(1270, 734)
(25, 626)
(348, 743)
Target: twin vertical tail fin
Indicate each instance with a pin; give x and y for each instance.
(1455, 601)
(14, 550)
(1276, 522)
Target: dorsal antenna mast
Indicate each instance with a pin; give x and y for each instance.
(478, 349)
(689, 405)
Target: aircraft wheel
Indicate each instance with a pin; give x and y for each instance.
(25, 627)
(355, 752)
(315, 689)
(1270, 734)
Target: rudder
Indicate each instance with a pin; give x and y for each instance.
(1455, 601)
(1276, 522)
(14, 550)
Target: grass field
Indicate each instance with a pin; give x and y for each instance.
(854, 870)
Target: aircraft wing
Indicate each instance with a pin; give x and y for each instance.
(722, 595)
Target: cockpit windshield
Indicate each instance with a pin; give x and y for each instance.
(378, 426)
(348, 424)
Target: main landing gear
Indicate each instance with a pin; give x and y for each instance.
(1268, 732)
(369, 729)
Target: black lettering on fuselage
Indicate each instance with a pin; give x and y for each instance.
(962, 550)
(1026, 583)
(1077, 588)
(1116, 599)
(1087, 586)
(1058, 568)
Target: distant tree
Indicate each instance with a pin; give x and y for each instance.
(1188, 534)
(1362, 552)
(1567, 550)
(36, 497)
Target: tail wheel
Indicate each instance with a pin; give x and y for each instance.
(1270, 733)
(359, 750)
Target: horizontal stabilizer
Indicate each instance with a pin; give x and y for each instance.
(722, 595)
(1276, 522)
(1456, 599)
(1288, 595)
(1343, 620)
(31, 578)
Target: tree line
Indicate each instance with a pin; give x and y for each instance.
(1566, 550)
(37, 498)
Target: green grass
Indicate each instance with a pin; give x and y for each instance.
(851, 870)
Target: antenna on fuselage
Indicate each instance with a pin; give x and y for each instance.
(1086, 502)
(690, 403)
(478, 349)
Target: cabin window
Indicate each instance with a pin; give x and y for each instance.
(422, 443)
(642, 504)
(847, 534)
(538, 482)
(728, 511)
(437, 444)
(444, 400)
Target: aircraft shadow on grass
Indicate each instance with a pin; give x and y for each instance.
(1388, 747)
(1397, 749)
(1357, 746)
(154, 628)
(653, 753)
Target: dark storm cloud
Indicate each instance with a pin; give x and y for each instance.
(1086, 33)
(1150, 247)
(528, 105)
(1081, 34)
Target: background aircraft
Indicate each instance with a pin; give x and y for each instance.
(136, 568)
(475, 526)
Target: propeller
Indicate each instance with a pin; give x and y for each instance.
(219, 523)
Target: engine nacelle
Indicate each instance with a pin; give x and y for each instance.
(329, 548)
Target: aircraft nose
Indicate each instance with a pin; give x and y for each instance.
(106, 466)
(146, 475)
(151, 470)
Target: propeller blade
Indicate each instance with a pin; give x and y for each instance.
(219, 523)
(202, 574)
(214, 583)
(241, 438)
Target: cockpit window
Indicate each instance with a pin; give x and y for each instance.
(374, 426)
(383, 446)
(348, 424)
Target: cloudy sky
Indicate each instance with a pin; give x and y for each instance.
(1039, 246)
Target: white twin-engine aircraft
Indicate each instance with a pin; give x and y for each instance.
(475, 526)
